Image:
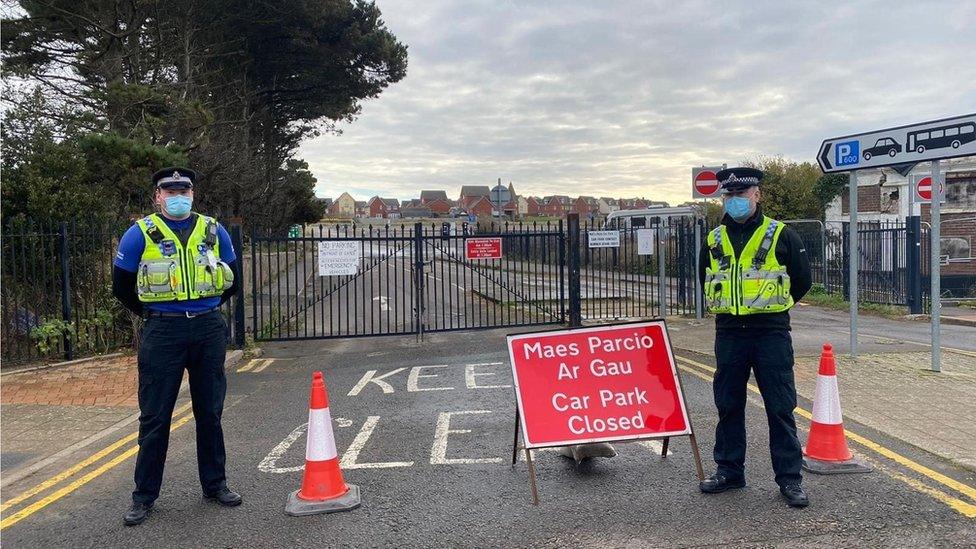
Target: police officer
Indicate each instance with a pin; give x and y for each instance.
(175, 268)
(753, 269)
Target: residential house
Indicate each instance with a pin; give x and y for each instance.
(480, 206)
(587, 207)
(533, 206)
(387, 208)
(362, 208)
(608, 205)
(471, 194)
(343, 207)
(414, 208)
(557, 205)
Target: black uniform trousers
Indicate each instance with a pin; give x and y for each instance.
(169, 345)
(770, 354)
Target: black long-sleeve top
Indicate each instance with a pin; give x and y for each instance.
(124, 288)
(790, 252)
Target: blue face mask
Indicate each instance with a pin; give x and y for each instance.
(178, 206)
(737, 207)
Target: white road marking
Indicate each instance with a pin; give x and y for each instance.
(369, 378)
(269, 463)
(438, 452)
(415, 376)
(470, 376)
(350, 457)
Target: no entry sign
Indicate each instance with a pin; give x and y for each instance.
(597, 385)
(482, 248)
(704, 184)
(923, 188)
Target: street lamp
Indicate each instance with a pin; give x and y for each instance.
(497, 201)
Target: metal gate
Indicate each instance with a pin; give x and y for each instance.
(410, 280)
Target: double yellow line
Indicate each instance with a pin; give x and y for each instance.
(181, 415)
(948, 497)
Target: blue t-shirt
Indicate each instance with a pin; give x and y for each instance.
(130, 251)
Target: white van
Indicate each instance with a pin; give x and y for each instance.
(639, 219)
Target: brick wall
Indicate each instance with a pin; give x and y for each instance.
(868, 199)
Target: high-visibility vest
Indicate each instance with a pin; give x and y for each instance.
(754, 282)
(168, 271)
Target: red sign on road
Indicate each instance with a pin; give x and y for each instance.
(482, 248)
(704, 182)
(597, 384)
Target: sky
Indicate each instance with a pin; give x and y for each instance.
(623, 98)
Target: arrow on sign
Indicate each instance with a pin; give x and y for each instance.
(824, 157)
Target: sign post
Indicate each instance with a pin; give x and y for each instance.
(934, 270)
(704, 183)
(599, 384)
(852, 242)
(899, 147)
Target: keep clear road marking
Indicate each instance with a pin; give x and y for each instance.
(963, 507)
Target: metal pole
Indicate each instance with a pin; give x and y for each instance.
(853, 258)
(235, 233)
(573, 269)
(661, 279)
(936, 256)
(65, 289)
(699, 313)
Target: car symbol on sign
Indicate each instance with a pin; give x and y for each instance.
(885, 145)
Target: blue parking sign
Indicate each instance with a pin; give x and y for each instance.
(847, 153)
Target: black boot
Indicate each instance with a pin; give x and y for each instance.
(226, 497)
(137, 514)
(794, 495)
(719, 483)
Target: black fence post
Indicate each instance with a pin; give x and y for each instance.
(913, 268)
(418, 280)
(573, 267)
(65, 288)
(845, 277)
(235, 235)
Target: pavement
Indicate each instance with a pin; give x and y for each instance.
(62, 409)
(961, 316)
(425, 430)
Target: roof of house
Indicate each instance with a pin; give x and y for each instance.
(391, 202)
(361, 203)
(427, 196)
(475, 190)
(560, 198)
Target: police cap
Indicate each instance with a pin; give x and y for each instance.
(738, 179)
(174, 178)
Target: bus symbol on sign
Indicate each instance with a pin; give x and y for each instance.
(847, 153)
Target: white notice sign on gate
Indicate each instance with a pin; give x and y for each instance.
(337, 258)
(603, 239)
(645, 241)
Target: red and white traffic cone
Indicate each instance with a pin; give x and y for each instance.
(323, 489)
(826, 451)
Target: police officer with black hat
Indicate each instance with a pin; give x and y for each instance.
(175, 268)
(753, 269)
